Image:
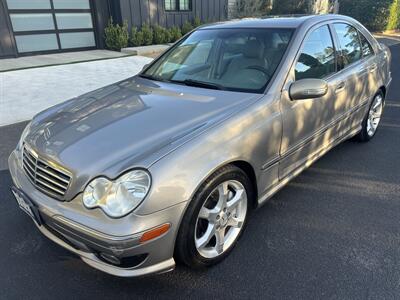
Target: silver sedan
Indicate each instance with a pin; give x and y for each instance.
(167, 165)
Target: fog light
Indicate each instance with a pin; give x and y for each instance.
(110, 258)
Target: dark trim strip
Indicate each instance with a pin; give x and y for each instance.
(55, 24)
(323, 130)
(47, 11)
(33, 32)
(55, 51)
(272, 190)
(271, 162)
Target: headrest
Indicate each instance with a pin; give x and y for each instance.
(253, 49)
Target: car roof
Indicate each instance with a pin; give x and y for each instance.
(285, 21)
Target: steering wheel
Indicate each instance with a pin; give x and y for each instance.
(259, 68)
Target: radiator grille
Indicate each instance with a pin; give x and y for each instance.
(45, 176)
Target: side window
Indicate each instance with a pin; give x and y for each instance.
(349, 43)
(365, 46)
(317, 58)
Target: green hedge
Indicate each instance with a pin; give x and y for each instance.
(176, 33)
(136, 38)
(118, 37)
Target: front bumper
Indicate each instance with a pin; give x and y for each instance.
(110, 245)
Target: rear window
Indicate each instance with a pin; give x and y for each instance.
(365, 46)
(349, 43)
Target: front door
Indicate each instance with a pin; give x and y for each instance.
(308, 124)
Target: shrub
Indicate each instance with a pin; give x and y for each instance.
(158, 35)
(147, 35)
(196, 22)
(136, 37)
(116, 36)
(186, 27)
(176, 33)
(167, 36)
(161, 35)
(394, 16)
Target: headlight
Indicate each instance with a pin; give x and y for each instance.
(21, 142)
(23, 136)
(118, 197)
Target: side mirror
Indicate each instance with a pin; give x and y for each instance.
(308, 89)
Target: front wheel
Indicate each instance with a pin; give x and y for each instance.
(215, 218)
(372, 119)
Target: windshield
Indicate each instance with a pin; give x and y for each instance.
(227, 59)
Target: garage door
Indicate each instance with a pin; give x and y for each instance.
(43, 26)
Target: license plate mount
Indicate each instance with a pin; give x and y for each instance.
(26, 205)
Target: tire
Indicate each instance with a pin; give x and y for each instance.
(196, 229)
(369, 130)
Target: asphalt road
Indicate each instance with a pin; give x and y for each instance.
(332, 233)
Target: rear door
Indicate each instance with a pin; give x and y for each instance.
(354, 73)
(370, 66)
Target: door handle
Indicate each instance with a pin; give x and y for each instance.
(340, 87)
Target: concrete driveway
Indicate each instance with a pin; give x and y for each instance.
(333, 233)
(24, 93)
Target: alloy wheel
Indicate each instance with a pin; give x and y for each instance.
(221, 219)
(374, 115)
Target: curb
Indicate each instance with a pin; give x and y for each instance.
(145, 50)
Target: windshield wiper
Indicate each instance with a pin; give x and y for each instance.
(189, 82)
(153, 78)
(207, 85)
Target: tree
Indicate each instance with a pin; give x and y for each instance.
(394, 16)
(320, 6)
(251, 8)
(372, 13)
(288, 7)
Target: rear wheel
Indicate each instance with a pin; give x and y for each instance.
(372, 119)
(215, 218)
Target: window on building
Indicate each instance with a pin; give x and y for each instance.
(174, 5)
(170, 4)
(184, 5)
(317, 58)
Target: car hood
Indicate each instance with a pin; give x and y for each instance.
(127, 124)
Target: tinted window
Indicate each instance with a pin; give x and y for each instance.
(365, 45)
(317, 58)
(228, 59)
(349, 43)
(178, 4)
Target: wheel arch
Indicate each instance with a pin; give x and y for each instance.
(383, 89)
(247, 168)
(243, 165)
